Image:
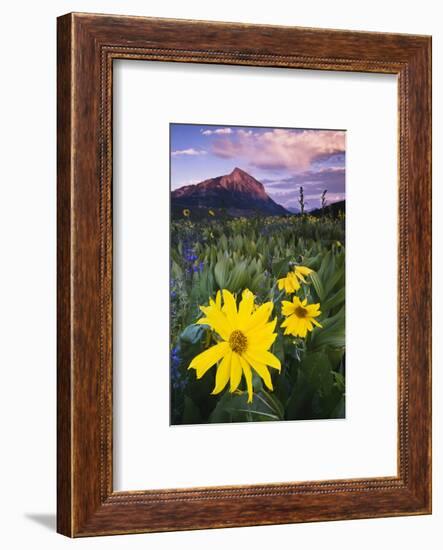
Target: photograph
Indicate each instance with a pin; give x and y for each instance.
(257, 273)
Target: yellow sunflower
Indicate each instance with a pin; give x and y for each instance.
(291, 283)
(246, 336)
(300, 317)
(186, 212)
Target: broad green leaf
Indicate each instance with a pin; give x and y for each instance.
(193, 334)
(221, 273)
(336, 300)
(316, 282)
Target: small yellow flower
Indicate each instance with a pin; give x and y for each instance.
(246, 336)
(211, 213)
(186, 212)
(291, 283)
(300, 317)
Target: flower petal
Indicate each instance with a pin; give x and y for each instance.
(245, 308)
(209, 357)
(236, 372)
(294, 282)
(217, 320)
(259, 317)
(223, 373)
(303, 328)
(248, 375)
(265, 357)
(261, 370)
(304, 270)
(287, 308)
(289, 283)
(292, 325)
(230, 308)
(262, 331)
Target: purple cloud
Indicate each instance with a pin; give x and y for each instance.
(286, 190)
(281, 149)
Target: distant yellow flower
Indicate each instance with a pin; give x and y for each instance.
(301, 271)
(300, 317)
(246, 333)
(211, 213)
(186, 212)
(291, 283)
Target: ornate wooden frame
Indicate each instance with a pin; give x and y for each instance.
(87, 45)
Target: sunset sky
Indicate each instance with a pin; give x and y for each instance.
(282, 159)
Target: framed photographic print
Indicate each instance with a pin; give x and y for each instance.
(250, 257)
(244, 254)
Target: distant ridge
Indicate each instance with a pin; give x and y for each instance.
(236, 194)
(333, 209)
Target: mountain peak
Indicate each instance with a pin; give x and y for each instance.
(238, 171)
(240, 181)
(237, 191)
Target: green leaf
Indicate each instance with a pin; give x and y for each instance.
(331, 334)
(256, 283)
(332, 337)
(324, 265)
(261, 414)
(193, 334)
(238, 278)
(273, 402)
(175, 256)
(191, 413)
(281, 267)
(336, 300)
(339, 410)
(317, 370)
(317, 284)
(314, 379)
(334, 280)
(221, 273)
(339, 381)
(235, 408)
(220, 414)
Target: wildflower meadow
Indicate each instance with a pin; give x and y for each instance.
(257, 317)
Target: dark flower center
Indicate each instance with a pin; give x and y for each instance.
(301, 312)
(238, 341)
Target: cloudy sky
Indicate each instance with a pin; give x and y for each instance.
(282, 159)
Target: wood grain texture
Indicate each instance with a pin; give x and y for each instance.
(64, 348)
(87, 45)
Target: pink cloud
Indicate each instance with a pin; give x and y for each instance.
(278, 148)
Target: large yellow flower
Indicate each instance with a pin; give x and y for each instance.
(291, 283)
(300, 316)
(246, 336)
